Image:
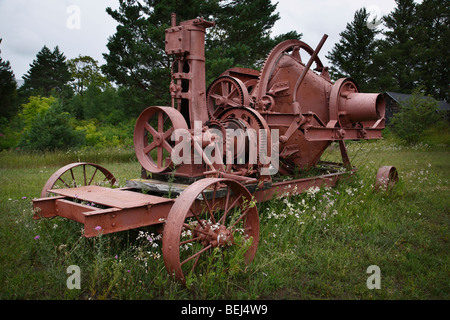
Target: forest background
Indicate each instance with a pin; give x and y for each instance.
(78, 104)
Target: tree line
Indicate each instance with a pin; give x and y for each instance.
(76, 102)
(399, 52)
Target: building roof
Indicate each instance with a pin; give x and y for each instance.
(397, 97)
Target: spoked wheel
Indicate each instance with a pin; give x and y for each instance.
(152, 137)
(289, 48)
(226, 92)
(77, 175)
(211, 213)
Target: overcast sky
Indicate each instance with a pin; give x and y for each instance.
(83, 26)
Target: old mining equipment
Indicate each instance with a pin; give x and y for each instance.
(213, 153)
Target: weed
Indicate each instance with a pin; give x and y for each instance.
(316, 245)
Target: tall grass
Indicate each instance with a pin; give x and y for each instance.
(18, 159)
(316, 245)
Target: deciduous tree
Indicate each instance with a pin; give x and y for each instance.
(85, 72)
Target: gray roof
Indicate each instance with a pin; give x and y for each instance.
(402, 96)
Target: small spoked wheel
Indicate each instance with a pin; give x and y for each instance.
(226, 92)
(212, 214)
(77, 175)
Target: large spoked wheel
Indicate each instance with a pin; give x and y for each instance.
(153, 137)
(211, 213)
(77, 175)
(289, 48)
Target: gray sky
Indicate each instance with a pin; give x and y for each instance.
(83, 26)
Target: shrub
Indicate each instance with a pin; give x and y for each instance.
(47, 127)
(106, 135)
(416, 114)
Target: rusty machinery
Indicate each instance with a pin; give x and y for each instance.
(291, 101)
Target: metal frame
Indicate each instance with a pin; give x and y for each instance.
(308, 109)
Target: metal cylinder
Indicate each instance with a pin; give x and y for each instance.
(359, 107)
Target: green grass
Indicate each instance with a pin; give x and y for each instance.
(317, 245)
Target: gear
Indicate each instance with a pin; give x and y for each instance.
(267, 71)
(226, 92)
(248, 121)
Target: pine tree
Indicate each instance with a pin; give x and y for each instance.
(8, 88)
(399, 47)
(49, 71)
(243, 32)
(433, 42)
(136, 57)
(353, 56)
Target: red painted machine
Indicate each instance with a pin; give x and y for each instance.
(209, 157)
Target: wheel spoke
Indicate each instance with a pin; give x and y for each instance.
(189, 241)
(90, 181)
(160, 157)
(195, 263)
(232, 92)
(224, 89)
(196, 254)
(69, 174)
(168, 133)
(167, 146)
(233, 103)
(216, 186)
(150, 147)
(187, 226)
(210, 210)
(216, 96)
(240, 218)
(64, 182)
(226, 207)
(160, 122)
(222, 220)
(150, 129)
(197, 218)
(296, 54)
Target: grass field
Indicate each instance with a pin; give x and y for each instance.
(317, 245)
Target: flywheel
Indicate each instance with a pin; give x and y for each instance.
(224, 93)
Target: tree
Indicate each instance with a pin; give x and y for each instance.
(8, 90)
(85, 72)
(432, 43)
(136, 57)
(242, 35)
(48, 72)
(47, 127)
(400, 48)
(353, 56)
